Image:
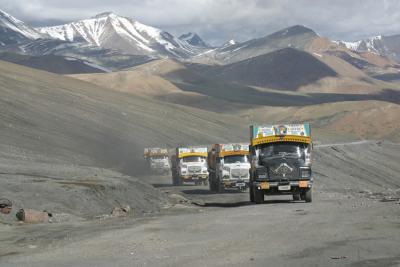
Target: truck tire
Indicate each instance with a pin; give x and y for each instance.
(258, 196)
(221, 188)
(211, 185)
(251, 193)
(205, 182)
(174, 181)
(296, 196)
(308, 195)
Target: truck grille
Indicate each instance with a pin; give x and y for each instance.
(194, 169)
(284, 171)
(240, 173)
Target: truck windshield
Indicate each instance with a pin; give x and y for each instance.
(236, 159)
(193, 159)
(158, 157)
(283, 149)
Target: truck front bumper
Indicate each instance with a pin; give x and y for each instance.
(160, 169)
(235, 183)
(194, 177)
(281, 188)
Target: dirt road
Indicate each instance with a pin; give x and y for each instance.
(354, 220)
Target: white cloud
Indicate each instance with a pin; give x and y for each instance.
(219, 20)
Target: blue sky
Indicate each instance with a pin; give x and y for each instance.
(220, 20)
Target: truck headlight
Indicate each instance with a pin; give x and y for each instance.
(305, 173)
(183, 171)
(261, 173)
(225, 174)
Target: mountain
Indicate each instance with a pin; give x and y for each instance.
(52, 63)
(388, 46)
(194, 40)
(287, 69)
(109, 59)
(296, 37)
(14, 31)
(107, 30)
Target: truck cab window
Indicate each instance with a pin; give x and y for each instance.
(193, 159)
(236, 159)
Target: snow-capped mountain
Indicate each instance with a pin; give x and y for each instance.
(229, 43)
(108, 30)
(296, 36)
(194, 39)
(388, 46)
(14, 31)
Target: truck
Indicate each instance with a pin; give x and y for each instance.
(228, 167)
(157, 160)
(280, 157)
(189, 164)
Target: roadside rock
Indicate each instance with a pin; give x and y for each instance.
(178, 199)
(33, 216)
(121, 211)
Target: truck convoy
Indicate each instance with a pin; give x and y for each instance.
(157, 160)
(228, 166)
(280, 161)
(189, 164)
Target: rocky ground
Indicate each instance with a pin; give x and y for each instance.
(354, 220)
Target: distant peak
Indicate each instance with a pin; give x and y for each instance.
(294, 30)
(188, 35)
(105, 15)
(193, 39)
(229, 43)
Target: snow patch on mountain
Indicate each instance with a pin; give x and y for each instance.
(194, 39)
(9, 22)
(101, 29)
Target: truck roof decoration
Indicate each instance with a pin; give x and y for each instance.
(264, 134)
(151, 152)
(184, 152)
(232, 149)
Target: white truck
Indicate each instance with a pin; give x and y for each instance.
(229, 167)
(157, 160)
(189, 164)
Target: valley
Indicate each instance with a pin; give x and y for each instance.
(80, 101)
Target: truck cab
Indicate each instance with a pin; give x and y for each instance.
(190, 165)
(229, 166)
(157, 160)
(281, 161)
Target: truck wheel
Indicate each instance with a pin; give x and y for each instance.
(251, 193)
(221, 188)
(296, 197)
(174, 182)
(205, 182)
(308, 195)
(258, 196)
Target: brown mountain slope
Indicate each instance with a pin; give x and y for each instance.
(82, 123)
(356, 120)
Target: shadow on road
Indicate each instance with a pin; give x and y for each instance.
(224, 205)
(208, 192)
(161, 185)
(240, 203)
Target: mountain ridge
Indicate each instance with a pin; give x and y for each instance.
(108, 30)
